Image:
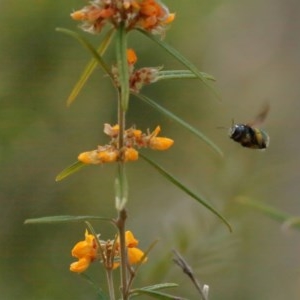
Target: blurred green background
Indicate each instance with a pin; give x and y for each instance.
(253, 49)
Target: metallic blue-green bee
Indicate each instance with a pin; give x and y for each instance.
(249, 136)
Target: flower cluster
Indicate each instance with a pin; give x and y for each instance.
(88, 251)
(149, 15)
(137, 78)
(133, 138)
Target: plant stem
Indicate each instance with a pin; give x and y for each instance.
(122, 124)
(123, 199)
(122, 188)
(110, 283)
(123, 253)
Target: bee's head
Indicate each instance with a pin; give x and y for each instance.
(236, 130)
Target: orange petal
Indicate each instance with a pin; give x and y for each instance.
(170, 19)
(160, 143)
(106, 13)
(131, 154)
(81, 265)
(131, 241)
(89, 157)
(137, 133)
(108, 156)
(86, 248)
(135, 255)
(156, 131)
(78, 15)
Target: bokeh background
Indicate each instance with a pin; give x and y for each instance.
(253, 50)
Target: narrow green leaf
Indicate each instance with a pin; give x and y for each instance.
(87, 72)
(156, 294)
(292, 222)
(121, 48)
(180, 58)
(89, 47)
(170, 115)
(176, 182)
(101, 294)
(160, 286)
(181, 74)
(69, 170)
(268, 210)
(64, 219)
(90, 67)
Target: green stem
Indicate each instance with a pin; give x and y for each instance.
(121, 181)
(122, 123)
(110, 283)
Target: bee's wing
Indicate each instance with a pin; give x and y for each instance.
(261, 116)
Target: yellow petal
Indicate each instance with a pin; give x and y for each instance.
(86, 248)
(108, 155)
(78, 15)
(160, 143)
(135, 255)
(131, 241)
(131, 154)
(156, 131)
(170, 18)
(89, 157)
(81, 265)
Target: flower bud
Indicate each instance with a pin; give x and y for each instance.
(160, 143)
(131, 154)
(89, 157)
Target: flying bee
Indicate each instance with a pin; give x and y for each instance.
(248, 135)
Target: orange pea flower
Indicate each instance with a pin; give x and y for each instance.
(86, 252)
(149, 15)
(134, 254)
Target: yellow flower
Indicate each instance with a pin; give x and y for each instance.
(159, 143)
(134, 254)
(102, 155)
(85, 251)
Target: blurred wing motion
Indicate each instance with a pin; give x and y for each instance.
(260, 118)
